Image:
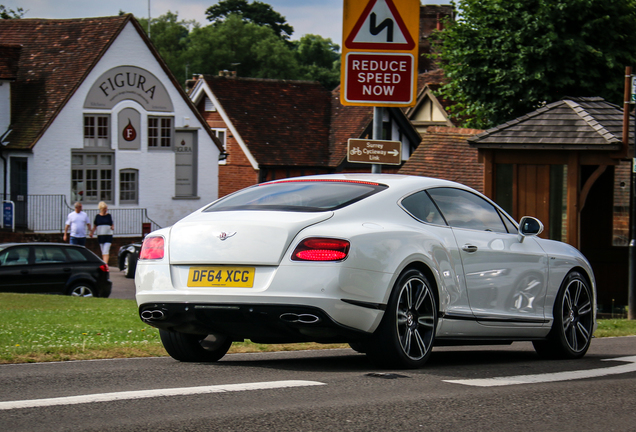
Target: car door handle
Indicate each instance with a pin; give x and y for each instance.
(24, 271)
(469, 248)
(66, 269)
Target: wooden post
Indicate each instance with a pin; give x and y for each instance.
(573, 237)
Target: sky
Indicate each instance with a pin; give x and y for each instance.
(321, 17)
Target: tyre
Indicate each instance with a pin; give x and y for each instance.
(82, 289)
(406, 334)
(130, 265)
(358, 347)
(573, 323)
(194, 348)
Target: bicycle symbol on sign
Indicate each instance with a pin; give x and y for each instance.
(356, 151)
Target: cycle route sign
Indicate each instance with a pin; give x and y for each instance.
(374, 151)
(379, 54)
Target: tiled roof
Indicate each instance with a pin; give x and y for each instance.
(346, 122)
(56, 55)
(444, 153)
(9, 57)
(570, 124)
(282, 122)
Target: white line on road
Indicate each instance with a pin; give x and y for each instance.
(551, 377)
(142, 394)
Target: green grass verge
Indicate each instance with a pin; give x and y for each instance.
(37, 328)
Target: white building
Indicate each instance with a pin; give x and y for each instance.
(89, 112)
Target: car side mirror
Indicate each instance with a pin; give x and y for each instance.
(528, 227)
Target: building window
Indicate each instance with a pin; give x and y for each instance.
(160, 132)
(96, 130)
(128, 186)
(220, 134)
(92, 177)
(209, 105)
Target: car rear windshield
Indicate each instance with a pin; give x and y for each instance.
(298, 195)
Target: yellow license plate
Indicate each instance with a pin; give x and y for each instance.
(236, 277)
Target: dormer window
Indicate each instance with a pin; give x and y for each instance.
(209, 105)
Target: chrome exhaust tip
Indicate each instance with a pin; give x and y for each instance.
(157, 315)
(300, 318)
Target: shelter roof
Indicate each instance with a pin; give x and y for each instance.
(589, 123)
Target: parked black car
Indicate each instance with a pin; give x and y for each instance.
(53, 268)
(127, 259)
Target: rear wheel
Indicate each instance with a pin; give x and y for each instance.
(82, 289)
(194, 348)
(572, 328)
(130, 264)
(407, 331)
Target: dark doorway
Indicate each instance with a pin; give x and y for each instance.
(18, 190)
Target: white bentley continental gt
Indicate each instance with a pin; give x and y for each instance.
(393, 265)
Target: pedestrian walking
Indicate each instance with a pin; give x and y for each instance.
(79, 225)
(104, 226)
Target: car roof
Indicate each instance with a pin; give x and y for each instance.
(397, 181)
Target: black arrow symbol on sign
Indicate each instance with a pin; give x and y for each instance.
(387, 23)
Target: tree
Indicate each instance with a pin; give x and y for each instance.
(10, 13)
(171, 37)
(319, 59)
(504, 58)
(257, 12)
(252, 50)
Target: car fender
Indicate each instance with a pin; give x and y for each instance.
(81, 277)
(392, 249)
(564, 258)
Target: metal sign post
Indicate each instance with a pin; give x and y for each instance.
(379, 57)
(631, 309)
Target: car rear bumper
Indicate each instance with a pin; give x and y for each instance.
(280, 323)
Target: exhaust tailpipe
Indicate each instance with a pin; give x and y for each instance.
(300, 318)
(157, 315)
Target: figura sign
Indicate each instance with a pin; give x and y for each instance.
(128, 83)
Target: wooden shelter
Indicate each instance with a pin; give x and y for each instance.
(562, 164)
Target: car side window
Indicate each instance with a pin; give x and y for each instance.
(49, 255)
(509, 225)
(421, 207)
(14, 256)
(76, 255)
(463, 209)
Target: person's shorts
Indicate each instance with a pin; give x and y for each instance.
(105, 247)
(78, 241)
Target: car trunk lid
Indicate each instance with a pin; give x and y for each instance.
(239, 237)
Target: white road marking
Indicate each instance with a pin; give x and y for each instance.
(551, 377)
(142, 394)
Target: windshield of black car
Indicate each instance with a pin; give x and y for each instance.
(298, 195)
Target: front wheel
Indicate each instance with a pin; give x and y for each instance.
(571, 332)
(407, 331)
(194, 348)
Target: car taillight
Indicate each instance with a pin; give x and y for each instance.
(104, 268)
(321, 249)
(152, 248)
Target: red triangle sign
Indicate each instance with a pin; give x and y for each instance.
(380, 27)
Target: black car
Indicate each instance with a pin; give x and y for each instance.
(127, 259)
(58, 268)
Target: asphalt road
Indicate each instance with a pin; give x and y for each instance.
(330, 390)
(123, 288)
